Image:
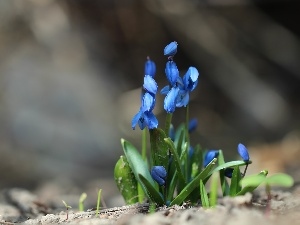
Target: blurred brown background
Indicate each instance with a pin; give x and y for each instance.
(71, 72)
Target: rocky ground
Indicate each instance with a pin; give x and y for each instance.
(20, 206)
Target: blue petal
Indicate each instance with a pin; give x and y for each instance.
(170, 100)
(172, 72)
(165, 90)
(243, 151)
(148, 102)
(150, 68)
(150, 120)
(150, 84)
(142, 122)
(171, 49)
(190, 79)
(135, 119)
(209, 156)
(182, 99)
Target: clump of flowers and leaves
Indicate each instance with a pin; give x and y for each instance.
(177, 170)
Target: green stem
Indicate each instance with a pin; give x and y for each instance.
(168, 123)
(144, 144)
(187, 139)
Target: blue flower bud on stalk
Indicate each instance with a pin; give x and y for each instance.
(171, 49)
(159, 174)
(243, 152)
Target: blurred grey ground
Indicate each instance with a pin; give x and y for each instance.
(71, 72)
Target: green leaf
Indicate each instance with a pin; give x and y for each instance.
(137, 164)
(203, 195)
(176, 159)
(230, 164)
(250, 183)
(193, 184)
(159, 148)
(126, 181)
(280, 179)
(151, 192)
(235, 186)
(223, 181)
(214, 190)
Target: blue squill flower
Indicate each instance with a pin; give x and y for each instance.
(193, 123)
(209, 156)
(186, 85)
(150, 67)
(243, 152)
(171, 49)
(159, 174)
(145, 117)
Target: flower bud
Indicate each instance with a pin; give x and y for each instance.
(150, 67)
(171, 49)
(243, 152)
(159, 174)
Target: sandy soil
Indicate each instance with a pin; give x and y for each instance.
(20, 206)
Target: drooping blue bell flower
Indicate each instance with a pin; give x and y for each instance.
(145, 116)
(186, 85)
(190, 79)
(209, 156)
(243, 152)
(193, 123)
(171, 49)
(150, 67)
(159, 174)
(144, 119)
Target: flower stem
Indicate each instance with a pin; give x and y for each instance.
(168, 123)
(187, 139)
(144, 144)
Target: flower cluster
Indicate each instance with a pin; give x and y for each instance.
(177, 92)
(145, 117)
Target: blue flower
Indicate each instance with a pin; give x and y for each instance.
(150, 67)
(209, 156)
(186, 85)
(145, 117)
(171, 49)
(192, 125)
(172, 72)
(190, 79)
(243, 152)
(159, 174)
